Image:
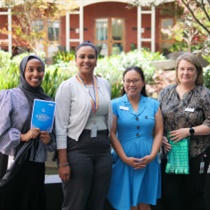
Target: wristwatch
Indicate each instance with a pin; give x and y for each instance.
(191, 131)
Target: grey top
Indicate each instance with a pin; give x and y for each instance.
(99, 118)
(192, 110)
(73, 108)
(14, 110)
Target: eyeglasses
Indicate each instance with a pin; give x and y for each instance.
(134, 81)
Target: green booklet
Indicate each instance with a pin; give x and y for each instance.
(178, 157)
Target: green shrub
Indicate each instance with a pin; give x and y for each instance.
(206, 74)
(182, 47)
(110, 68)
(4, 59)
(63, 56)
(53, 77)
(9, 76)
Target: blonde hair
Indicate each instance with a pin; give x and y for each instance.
(190, 57)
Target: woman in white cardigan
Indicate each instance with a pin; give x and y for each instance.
(83, 121)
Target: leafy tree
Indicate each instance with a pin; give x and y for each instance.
(187, 34)
(198, 11)
(197, 14)
(146, 2)
(193, 26)
(27, 12)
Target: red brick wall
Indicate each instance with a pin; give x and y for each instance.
(3, 24)
(104, 10)
(74, 23)
(117, 10)
(110, 9)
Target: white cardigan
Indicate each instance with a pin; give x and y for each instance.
(73, 109)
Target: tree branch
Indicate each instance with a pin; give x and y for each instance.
(195, 18)
(204, 9)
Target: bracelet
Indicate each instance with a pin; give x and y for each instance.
(63, 165)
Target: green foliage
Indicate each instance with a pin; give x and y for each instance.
(4, 59)
(9, 70)
(28, 13)
(53, 77)
(191, 31)
(206, 57)
(63, 56)
(199, 11)
(206, 74)
(112, 67)
(9, 76)
(182, 47)
(116, 89)
(206, 51)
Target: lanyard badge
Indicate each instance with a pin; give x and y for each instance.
(93, 99)
(94, 102)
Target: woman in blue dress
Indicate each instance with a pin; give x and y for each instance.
(136, 137)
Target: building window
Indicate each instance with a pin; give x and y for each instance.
(52, 28)
(109, 36)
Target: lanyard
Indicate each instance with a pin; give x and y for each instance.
(93, 99)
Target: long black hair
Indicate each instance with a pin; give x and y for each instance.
(141, 73)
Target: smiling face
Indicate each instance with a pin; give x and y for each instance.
(34, 72)
(186, 73)
(86, 60)
(133, 83)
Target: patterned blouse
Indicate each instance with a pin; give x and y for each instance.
(190, 111)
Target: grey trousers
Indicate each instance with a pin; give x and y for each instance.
(91, 166)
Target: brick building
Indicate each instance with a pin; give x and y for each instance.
(111, 25)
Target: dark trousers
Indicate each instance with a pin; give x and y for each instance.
(26, 190)
(186, 192)
(91, 166)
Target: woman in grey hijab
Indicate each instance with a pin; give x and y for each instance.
(22, 187)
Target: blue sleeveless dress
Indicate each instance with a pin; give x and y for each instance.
(128, 186)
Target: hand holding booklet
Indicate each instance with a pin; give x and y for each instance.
(43, 115)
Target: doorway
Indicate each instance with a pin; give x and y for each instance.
(109, 36)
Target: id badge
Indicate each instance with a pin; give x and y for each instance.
(201, 171)
(93, 131)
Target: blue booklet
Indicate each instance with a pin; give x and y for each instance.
(43, 115)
